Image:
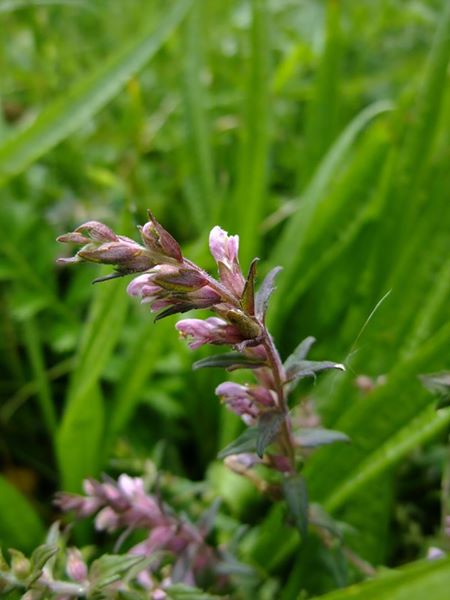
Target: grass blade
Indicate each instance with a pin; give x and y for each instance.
(20, 525)
(249, 200)
(67, 114)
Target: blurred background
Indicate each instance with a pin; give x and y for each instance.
(319, 132)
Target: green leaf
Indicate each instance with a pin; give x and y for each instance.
(229, 361)
(380, 436)
(268, 427)
(20, 525)
(300, 353)
(65, 115)
(79, 441)
(246, 442)
(439, 384)
(296, 496)
(424, 579)
(265, 291)
(110, 567)
(309, 368)
(186, 592)
(313, 438)
(288, 250)
(248, 295)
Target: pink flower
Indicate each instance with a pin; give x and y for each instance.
(177, 289)
(209, 331)
(245, 401)
(76, 568)
(224, 249)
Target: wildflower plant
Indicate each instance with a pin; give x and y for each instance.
(164, 549)
(170, 284)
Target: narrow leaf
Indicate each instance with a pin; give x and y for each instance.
(109, 568)
(309, 368)
(246, 442)
(265, 291)
(300, 353)
(20, 525)
(296, 496)
(313, 438)
(87, 97)
(229, 361)
(248, 295)
(439, 384)
(422, 579)
(269, 424)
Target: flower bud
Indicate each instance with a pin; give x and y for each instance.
(107, 519)
(76, 568)
(20, 564)
(159, 241)
(208, 331)
(98, 232)
(247, 326)
(224, 249)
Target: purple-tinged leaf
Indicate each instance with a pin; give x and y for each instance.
(264, 292)
(315, 437)
(248, 295)
(229, 361)
(246, 442)
(269, 424)
(300, 353)
(310, 368)
(296, 496)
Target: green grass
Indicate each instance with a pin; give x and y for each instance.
(318, 131)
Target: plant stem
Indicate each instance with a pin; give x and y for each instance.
(279, 377)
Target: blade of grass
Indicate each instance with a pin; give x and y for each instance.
(375, 424)
(322, 116)
(65, 115)
(289, 247)
(249, 198)
(82, 425)
(199, 145)
(147, 349)
(424, 579)
(44, 393)
(20, 525)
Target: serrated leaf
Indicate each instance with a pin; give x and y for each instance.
(246, 442)
(269, 424)
(248, 295)
(310, 368)
(439, 384)
(300, 353)
(296, 496)
(229, 361)
(315, 437)
(265, 291)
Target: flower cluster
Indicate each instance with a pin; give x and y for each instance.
(125, 505)
(169, 283)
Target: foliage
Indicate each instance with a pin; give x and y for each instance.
(318, 131)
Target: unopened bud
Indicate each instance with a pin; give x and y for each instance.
(20, 565)
(158, 240)
(97, 231)
(246, 325)
(76, 568)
